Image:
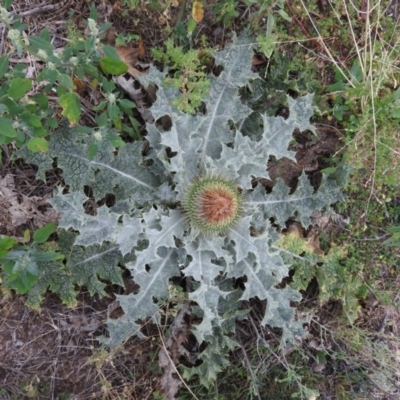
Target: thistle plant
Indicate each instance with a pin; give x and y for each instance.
(188, 208)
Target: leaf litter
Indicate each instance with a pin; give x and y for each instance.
(15, 212)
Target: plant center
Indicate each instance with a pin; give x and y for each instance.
(218, 205)
(213, 205)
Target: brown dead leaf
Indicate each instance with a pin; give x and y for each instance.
(104, 11)
(198, 11)
(141, 48)
(80, 86)
(129, 56)
(258, 60)
(18, 210)
(169, 383)
(313, 242)
(111, 35)
(320, 219)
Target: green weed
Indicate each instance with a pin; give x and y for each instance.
(186, 74)
(19, 263)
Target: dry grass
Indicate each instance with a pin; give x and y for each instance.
(54, 352)
(376, 50)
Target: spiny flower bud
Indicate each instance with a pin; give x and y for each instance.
(213, 205)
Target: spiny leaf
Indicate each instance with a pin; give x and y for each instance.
(207, 297)
(91, 267)
(303, 202)
(123, 174)
(153, 284)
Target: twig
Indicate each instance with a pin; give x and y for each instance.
(36, 10)
(173, 365)
(246, 359)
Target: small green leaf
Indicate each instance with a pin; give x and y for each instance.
(13, 108)
(42, 234)
(336, 87)
(50, 75)
(115, 140)
(23, 282)
(114, 67)
(118, 123)
(45, 34)
(40, 132)
(396, 94)
(19, 87)
(394, 229)
(52, 123)
(31, 119)
(108, 86)
(90, 44)
(329, 170)
(7, 129)
(284, 15)
(91, 70)
(6, 243)
(395, 113)
(102, 119)
(8, 265)
(38, 144)
(38, 43)
(66, 81)
(191, 25)
(27, 235)
(41, 100)
(100, 107)
(110, 52)
(71, 107)
(3, 65)
(113, 111)
(45, 256)
(127, 103)
(32, 108)
(61, 90)
(7, 3)
(136, 130)
(32, 268)
(93, 12)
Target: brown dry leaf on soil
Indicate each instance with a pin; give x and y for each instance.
(198, 11)
(18, 210)
(175, 347)
(129, 56)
